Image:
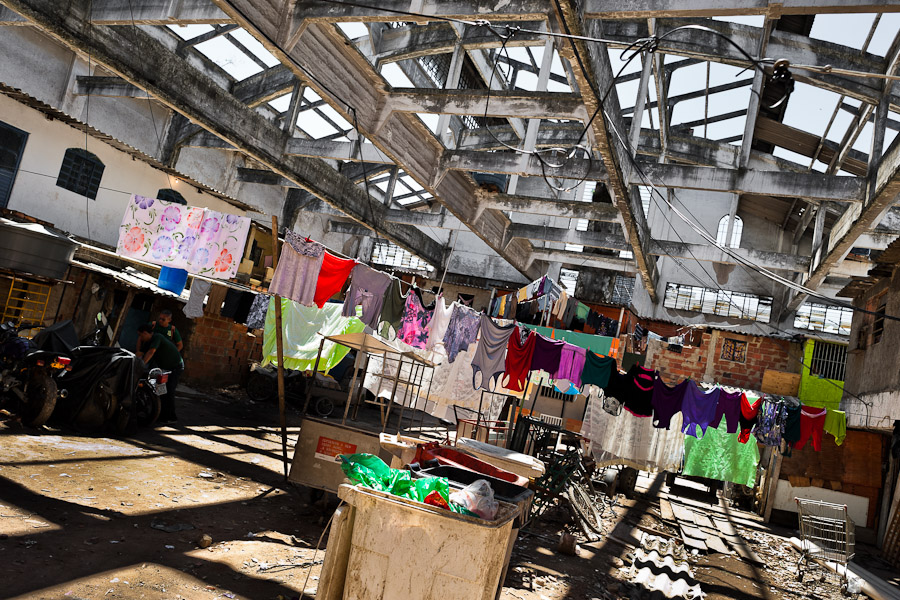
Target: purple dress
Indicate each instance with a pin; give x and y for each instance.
(698, 409)
(667, 402)
(547, 354)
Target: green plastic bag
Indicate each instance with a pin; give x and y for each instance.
(370, 471)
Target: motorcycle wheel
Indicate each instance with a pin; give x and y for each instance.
(148, 407)
(40, 398)
(324, 406)
(261, 388)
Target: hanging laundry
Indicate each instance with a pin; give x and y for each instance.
(414, 324)
(519, 354)
(812, 424)
(667, 401)
(638, 395)
(547, 354)
(571, 366)
(194, 307)
(465, 299)
(595, 343)
(450, 383)
(719, 455)
(440, 320)
(367, 289)
(791, 431)
(298, 269)
(771, 421)
(749, 416)
(332, 277)
(729, 407)
(461, 331)
(626, 440)
(490, 352)
(393, 309)
(559, 308)
(237, 305)
(638, 333)
(598, 369)
(304, 327)
(698, 408)
(201, 241)
(836, 425)
(569, 313)
(220, 248)
(522, 294)
(256, 318)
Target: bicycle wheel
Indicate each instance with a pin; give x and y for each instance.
(583, 505)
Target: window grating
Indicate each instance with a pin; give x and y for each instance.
(821, 317)
(623, 290)
(437, 66)
(718, 302)
(386, 253)
(81, 172)
(829, 360)
(736, 232)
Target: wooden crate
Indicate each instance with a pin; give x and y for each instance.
(780, 383)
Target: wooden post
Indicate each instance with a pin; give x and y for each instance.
(129, 298)
(773, 486)
(279, 348)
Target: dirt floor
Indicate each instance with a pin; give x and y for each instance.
(90, 517)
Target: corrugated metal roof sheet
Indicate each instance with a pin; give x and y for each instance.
(661, 566)
(134, 278)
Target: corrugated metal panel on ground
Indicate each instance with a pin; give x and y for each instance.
(661, 566)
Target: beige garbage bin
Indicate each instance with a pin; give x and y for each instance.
(383, 547)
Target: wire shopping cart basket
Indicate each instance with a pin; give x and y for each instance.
(826, 533)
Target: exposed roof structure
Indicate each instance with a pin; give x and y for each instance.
(401, 118)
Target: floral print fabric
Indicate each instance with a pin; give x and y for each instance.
(414, 324)
(197, 239)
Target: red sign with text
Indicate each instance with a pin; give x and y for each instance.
(328, 449)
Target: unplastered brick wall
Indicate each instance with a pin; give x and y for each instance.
(742, 364)
(219, 352)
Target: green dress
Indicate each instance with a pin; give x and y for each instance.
(719, 455)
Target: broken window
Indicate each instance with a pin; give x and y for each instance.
(81, 172)
(821, 317)
(170, 195)
(718, 302)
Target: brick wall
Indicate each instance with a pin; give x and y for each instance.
(694, 361)
(218, 352)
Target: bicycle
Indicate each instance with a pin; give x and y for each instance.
(566, 474)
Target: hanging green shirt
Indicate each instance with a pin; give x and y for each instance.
(303, 328)
(719, 455)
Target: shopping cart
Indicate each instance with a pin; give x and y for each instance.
(826, 533)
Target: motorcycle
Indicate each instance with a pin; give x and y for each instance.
(29, 371)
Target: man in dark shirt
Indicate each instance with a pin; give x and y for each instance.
(157, 351)
(163, 324)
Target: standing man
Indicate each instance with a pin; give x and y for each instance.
(156, 350)
(163, 325)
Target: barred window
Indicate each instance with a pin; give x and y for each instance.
(12, 145)
(718, 302)
(81, 172)
(821, 317)
(623, 290)
(829, 361)
(388, 254)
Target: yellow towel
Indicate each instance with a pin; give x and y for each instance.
(836, 425)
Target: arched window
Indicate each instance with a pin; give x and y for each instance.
(170, 195)
(81, 172)
(735, 232)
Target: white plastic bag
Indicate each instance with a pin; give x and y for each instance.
(477, 497)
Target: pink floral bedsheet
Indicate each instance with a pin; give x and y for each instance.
(199, 240)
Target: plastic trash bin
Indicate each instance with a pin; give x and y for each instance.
(391, 548)
(503, 490)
